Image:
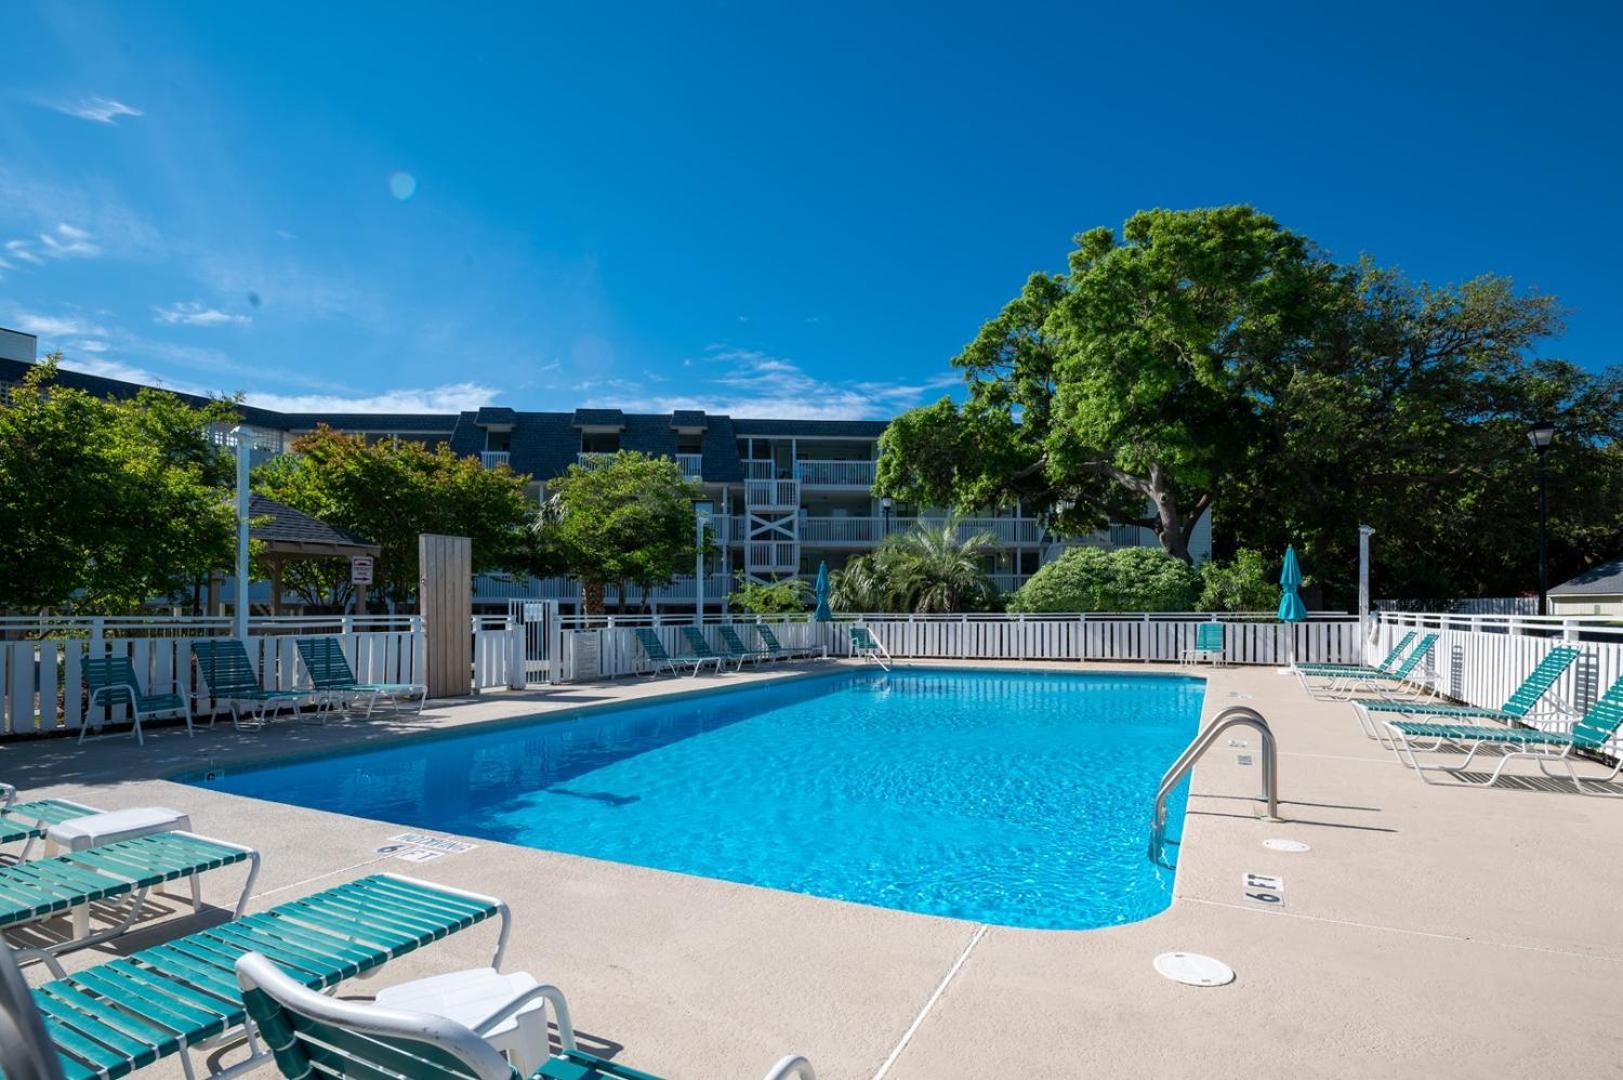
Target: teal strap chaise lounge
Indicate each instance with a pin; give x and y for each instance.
(230, 677)
(775, 647)
(112, 684)
(1208, 644)
(108, 1021)
(736, 649)
(1330, 671)
(1556, 745)
(1344, 684)
(335, 682)
(124, 870)
(1516, 707)
(660, 660)
(28, 821)
(865, 645)
(702, 650)
(310, 1034)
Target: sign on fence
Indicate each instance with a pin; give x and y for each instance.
(360, 570)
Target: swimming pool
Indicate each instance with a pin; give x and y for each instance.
(1011, 797)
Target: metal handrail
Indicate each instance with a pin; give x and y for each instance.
(1233, 716)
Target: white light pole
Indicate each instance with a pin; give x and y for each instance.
(701, 518)
(1364, 533)
(241, 613)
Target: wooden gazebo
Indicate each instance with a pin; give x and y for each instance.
(285, 533)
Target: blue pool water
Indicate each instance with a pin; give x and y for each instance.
(1015, 798)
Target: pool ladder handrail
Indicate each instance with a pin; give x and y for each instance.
(1233, 716)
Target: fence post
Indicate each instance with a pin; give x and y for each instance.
(517, 676)
(963, 635)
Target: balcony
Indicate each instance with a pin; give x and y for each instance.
(772, 556)
(593, 460)
(692, 465)
(495, 459)
(499, 588)
(772, 494)
(838, 474)
(868, 531)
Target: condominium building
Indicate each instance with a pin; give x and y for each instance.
(784, 496)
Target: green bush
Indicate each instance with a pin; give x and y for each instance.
(1126, 579)
(1248, 582)
(782, 597)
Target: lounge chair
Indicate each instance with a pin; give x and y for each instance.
(30, 892)
(654, 649)
(1557, 744)
(230, 676)
(1330, 671)
(1208, 644)
(107, 1021)
(736, 649)
(1344, 684)
(310, 1034)
(29, 821)
(865, 645)
(701, 648)
(111, 680)
(334, 680)
(776, 648)
(1516, 708)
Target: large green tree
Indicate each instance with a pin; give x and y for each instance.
(104, 503)
(626, 520)
(390, 492)
(1126, 388)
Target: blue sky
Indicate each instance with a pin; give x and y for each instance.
(739, 207)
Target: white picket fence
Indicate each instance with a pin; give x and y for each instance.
(1481, 659)
(42, 687)
(610, 651)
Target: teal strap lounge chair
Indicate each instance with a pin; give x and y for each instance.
(230, 677)
(1516, 707)
(1344, 684)
(28, 821)
(660, 660)
(865, 645)
(1208, 644)
(736, 649)
(334, 680)
(124, 870)
(776, 648)
(111, 680)
(701, 648)
(1326, 671)
(1556, 745)
(107, 1021)
(312, 1035)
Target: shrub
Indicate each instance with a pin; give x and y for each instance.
(785, 596)
(1248, 582)
(1093, 579)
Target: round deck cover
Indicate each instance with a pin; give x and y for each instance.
(1193, 969)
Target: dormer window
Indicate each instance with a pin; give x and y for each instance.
(690, 443)
(599, 442)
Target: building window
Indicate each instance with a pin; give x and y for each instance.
(498, 440)
(690, 444)
(599, 442)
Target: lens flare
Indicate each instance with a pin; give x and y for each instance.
(402, 185)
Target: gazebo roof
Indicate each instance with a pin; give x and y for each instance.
(286, 531)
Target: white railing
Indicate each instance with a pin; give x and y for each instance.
(759, 469)
(608, 648)
(814, 473)
(1482, 659)
(692, 465)
(868, 531)
(1490, 605)
(492, 459)
(780, 494)
(781, 556)
(1156, 637)
(497, 588)
(593, 460)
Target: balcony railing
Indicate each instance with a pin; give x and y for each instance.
(774, 494)
(492, 459)
(777, 556)
(497, 588)
(855, 474)
(692, 465)
(759, 469)
(863, 531)
(593, 460)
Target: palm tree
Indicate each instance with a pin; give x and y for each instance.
(928, 569)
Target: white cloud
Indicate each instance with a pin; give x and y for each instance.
(115, 369)
(193, 313)
(754, 383)
(90, 345)
(100, 110)
(68, 242)
(19, 249)
(53, 326)
(451, 397)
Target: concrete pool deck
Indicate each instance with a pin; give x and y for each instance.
(1430, 931)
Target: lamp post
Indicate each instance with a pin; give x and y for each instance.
(701, 518)
(1540, 435)
(884, 508)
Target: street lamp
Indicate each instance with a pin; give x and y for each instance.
(884, 508)
(701, 518)
(1540, 435)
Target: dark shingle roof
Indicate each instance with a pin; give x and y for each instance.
(837, 429)
(599, 418)
(490, 415)
(432, 422)
(286, 525)
(688, 418)
(14, 370)
(1603, 580)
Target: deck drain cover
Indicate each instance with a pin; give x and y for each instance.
(1193, 969)
(1285, 845)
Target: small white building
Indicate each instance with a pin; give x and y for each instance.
(1596, 591)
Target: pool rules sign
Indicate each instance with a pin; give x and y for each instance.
(360, 570)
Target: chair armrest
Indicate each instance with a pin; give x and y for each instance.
(552, 995)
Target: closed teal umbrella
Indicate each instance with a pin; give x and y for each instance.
(1291, 608)
(822, 614)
